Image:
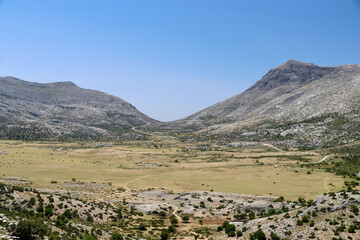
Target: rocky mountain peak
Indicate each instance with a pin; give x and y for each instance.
(292, 90)
(292, 72)
(293, 63)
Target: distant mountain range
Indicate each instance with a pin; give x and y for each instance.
(294, 99)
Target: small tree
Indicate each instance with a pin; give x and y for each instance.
(142, 227)
(31, 202)
(164, 234)
(185, 218)
(173, 219)
(274, 236)
(229, 228)
(28, 229)
(258, 235)
(354, 209)
(23, 230)
(162, 214)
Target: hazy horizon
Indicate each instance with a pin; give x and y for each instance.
(171, 59)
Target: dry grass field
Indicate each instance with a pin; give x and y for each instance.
(169, 164)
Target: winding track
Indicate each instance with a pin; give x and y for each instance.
(271, 146)
(280, 150)
(323, 159)
(139, 131)
(127, 189)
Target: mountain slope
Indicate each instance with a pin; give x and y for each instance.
(64, 109)
(295, 105)
(292, 91)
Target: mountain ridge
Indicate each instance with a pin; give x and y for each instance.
(61, 107)
(279, 81)
(292, 92)
(295, 105)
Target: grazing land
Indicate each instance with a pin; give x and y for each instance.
(172, 165)
(163, 188)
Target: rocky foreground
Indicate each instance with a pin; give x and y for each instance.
(56, 213)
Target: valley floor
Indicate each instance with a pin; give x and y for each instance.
(200, 185)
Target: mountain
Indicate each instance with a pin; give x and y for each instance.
(62, 110)
(294, 92)
(291, 91)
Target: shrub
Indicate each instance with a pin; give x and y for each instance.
(116, 236)
(354, 209)
(142, 227)
(27, 229)
(351, 229)
(31, 202)
(259, 235)
(164, 234)
(230, 228)
(173, 219)
(274, 236)
(162, 214)
(185, 218)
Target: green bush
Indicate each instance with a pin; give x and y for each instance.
(28, 229)
(164, 234)
(258, 235)
(116, 236)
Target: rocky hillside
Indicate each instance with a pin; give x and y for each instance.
(291, 91)
(62, 110)
(294, 101)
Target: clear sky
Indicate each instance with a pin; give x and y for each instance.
(171, 58)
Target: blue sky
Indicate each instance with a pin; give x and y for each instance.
(172, 58)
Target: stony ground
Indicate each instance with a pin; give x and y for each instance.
(330, 216)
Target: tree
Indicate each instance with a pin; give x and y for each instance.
(259, 235)
(28, 229)
(89, 218)
(31, 202)
(119, 213)
(251, 216)
(68, 213)
(230, 228)
(49, 210)
(142, 227)
(354, 209)
(23, 231)
(185, 218)
(274, 236)
(162, 214)
(171, 229)
(351, 229)
(173, 219)
(164, 234)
